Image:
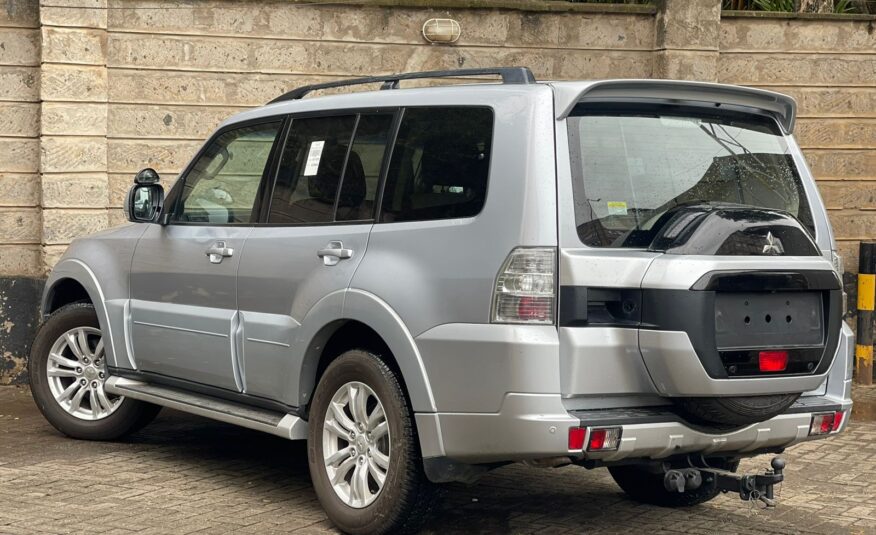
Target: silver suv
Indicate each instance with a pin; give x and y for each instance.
(429, 283)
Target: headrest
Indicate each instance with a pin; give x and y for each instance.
(323, 186)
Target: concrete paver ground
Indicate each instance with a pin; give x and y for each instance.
(185, 474)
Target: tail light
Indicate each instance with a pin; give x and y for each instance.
(600, 439)
(525, 289)
(825, 423)
(604, 439)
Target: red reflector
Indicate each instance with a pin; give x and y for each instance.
(837, 420)
(773, 361)
(827, 423)
(576, 438)
(597, 440)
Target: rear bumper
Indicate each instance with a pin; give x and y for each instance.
(535, 426)
(661, 433)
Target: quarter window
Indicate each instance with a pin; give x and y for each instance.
(222, 185)
(439, 165)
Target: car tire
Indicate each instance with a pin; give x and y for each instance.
(647, 487)
(338, 437)
(85, 411)
(735, 411)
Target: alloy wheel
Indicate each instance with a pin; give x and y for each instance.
(76, 372)
(355, 444)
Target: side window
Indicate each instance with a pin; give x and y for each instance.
(222, 185)
(359, 186)
(439, 165)
(310, 170)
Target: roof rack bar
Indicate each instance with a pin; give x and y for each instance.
(510, 75)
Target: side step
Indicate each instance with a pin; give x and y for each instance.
(276, 423)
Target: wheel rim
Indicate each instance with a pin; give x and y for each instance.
(76, 372)
(355, 444)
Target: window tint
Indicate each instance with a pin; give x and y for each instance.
(222, 185)
(439, 164)
(310, 170)
(359, 185)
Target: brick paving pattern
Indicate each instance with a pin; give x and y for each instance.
(184, 474)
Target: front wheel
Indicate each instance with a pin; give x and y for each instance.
(362, 449)
(67, 371)
(647, 487)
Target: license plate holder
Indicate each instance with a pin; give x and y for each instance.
(764, 320)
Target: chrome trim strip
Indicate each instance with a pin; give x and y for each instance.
(173, 328)
(269, 342)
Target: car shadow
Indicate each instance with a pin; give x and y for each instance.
(515, 498)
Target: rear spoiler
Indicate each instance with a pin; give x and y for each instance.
(782, 107)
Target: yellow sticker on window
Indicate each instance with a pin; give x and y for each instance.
(617, 208)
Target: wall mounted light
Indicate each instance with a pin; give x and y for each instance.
(441, 31)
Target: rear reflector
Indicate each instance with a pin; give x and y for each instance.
(773, 361)
(604, 439)
(824, 423)
(576, 438)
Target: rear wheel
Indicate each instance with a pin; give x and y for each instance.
(67, 370)
(736, 411)
(363, 451)
(646, 486)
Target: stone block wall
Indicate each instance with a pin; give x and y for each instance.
(91, 91)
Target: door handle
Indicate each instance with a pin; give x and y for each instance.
(218, 251)
(333, 253)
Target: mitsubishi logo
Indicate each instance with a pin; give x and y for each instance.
(773, 245)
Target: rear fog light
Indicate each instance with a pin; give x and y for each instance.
(773, 361)
(604, 439)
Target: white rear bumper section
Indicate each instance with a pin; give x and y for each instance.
(533, 426)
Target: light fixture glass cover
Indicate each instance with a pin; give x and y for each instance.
(441, 30)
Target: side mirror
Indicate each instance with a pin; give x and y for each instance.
(145, 199)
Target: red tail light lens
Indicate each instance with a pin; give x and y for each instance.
(576, 438)
(773, 361)
(827, 422)
(837, 421)
(604, 439)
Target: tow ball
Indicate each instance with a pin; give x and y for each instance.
(749, 487)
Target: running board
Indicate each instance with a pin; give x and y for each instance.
(276, 423)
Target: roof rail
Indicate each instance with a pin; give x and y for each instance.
(510, 75)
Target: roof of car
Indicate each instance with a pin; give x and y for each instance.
(566, 95)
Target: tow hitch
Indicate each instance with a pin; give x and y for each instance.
(750, 487)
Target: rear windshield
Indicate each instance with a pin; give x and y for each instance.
(633, 163)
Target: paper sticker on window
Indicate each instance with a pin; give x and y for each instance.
(617, 208)
(313, 157)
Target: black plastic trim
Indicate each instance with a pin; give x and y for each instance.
(767, 281)
(684, 310)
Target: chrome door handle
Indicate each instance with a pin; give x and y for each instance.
(218, 251)
(333, 253)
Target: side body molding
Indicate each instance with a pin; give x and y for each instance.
(323, 320)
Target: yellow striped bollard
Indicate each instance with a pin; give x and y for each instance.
(866, 298)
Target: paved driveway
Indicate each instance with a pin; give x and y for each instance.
(184, 474)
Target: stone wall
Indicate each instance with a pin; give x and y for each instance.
(93, 90)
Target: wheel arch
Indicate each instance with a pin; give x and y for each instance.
(70, 281)
(367, 322)
(64, 291)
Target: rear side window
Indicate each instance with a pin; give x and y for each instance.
(310, 170)
(440, 164)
